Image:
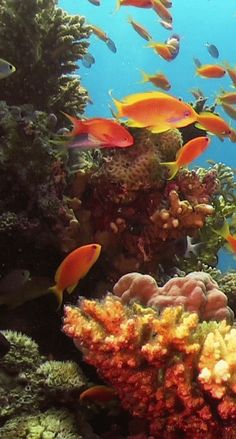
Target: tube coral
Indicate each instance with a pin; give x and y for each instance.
(173, 371)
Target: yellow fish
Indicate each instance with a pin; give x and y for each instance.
(155, 110)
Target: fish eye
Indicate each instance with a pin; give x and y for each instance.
(10, 67)
(94, 247)
(187, 113)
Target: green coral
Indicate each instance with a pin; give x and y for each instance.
(53, 424)
(51, 43)
(29, 383)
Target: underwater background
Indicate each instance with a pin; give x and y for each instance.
(196, 22)
(117, 293)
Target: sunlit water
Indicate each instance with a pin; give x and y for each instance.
(197, 22)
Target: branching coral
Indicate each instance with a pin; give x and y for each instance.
(196, 292)
(164, 368)
(51, 42)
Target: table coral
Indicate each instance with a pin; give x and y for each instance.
(54, 41)
(164, 368)
(196, 292)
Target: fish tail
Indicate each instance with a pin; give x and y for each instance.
(145, 77)
(129, 19)
(173, 168)
(77, 124)
(223, 231)
(118, 105)
(58, 293)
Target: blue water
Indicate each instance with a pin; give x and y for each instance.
(197, 22)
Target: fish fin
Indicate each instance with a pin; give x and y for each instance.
(84, 141)
(58, 293)
(173, 168)
(118, 4)
(77, 124)
(223, 231)
(71, 288)
(129, 19)
(117, 103)
(145, 77)
(111, 45)
(159, 129)
(201, 127)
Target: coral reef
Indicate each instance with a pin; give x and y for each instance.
(196, 292)
(30, 384)
(171, 370)
(128, 206)
(36, 214)
(53, 41)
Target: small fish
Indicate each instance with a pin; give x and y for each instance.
(166, 24)
(164, 50)
(139, 29)
(212, 49)
(73, 268)
(213, 124)
(173, 42)
(211, 71)
(100, 394)
(232, 136)
(111, 45)
(158, 79)
(155, 110)
(224, 232)
(95, 2)
(187, 154)
(229, 109)
(88, 60)
(227, 97)
(136, 3)
(197, 93)
(104, 37)
(6, 69)
(197, 62)
(13, 281)
(162, 11)
(100, 132)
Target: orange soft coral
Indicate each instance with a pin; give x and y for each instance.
(157, 365)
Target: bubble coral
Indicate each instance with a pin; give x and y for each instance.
(157, 364)
(196, 292)
(53, 41)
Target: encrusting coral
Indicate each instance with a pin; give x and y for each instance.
(196, 292)
(51, 42)
(171, 370)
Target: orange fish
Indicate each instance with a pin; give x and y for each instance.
(224, 232)
(211, 71)
(136, 3)
(214, 124)
(155, 110)
(99, 33)
(161, 10)
(233, 135)
(139, 29)
(73, 268)
(163, 49)
(228, 97)
(229, 109)
(100, 393)
(231, 72)
(98, 132)
(167, 3)
(187, 154)
(158, 79)
(166, 25)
